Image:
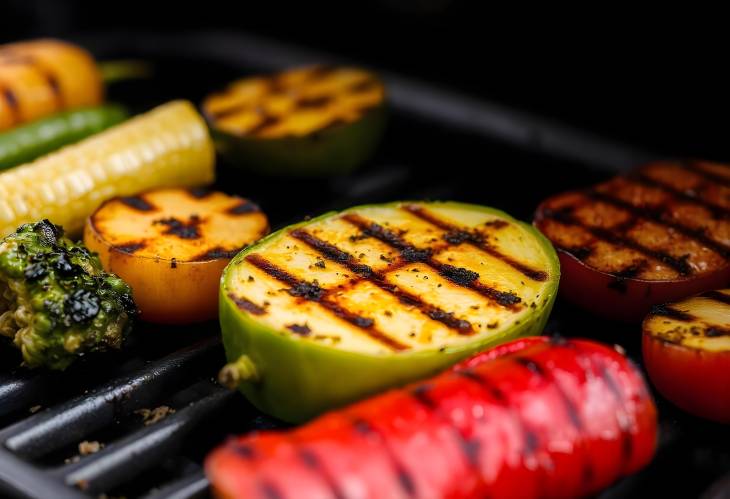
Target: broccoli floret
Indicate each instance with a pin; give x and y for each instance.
(56, 301)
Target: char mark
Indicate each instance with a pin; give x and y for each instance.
(456, 235)
(138, 203)
(300, 329)
(696, 168)
(531, 366)
(379, 232)
(200, 192)
(364, 85)
(717, 211)
(129, 248)
(247, 305)
(243, 450)
(55, 87)
(216, 253)
(313, 102)
(228, 111)
(717, 296)
(244, 207)
(716, 331)
(627, 444)
(337, 255)
(661, 217)
(184, 230)
(311, 460)
(12, 101)
(269, 491)
(267, 121)
(469, 279)
(672, 313)
(565, 217)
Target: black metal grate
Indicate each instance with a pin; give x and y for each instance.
(439, 145)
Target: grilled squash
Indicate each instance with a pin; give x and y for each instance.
(330, 310)
(171, 245)
(686, 348)
(658, 234)
(308, 121)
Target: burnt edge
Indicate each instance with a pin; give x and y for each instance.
(476, 239)
(312, 292)
(366, 273)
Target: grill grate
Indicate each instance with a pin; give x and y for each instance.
(439, 145)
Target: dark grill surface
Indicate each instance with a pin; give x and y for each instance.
(439, 145)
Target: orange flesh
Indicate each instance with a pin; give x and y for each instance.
(665, 221)
(294, 103)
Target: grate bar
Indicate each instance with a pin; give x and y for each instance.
(192, 486)
(142, 449)
(71, 421)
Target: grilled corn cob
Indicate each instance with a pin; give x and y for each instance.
(42, 77)
(169, 146)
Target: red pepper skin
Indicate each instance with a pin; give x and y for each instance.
(535, 417)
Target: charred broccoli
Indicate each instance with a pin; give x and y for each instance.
(56, 301)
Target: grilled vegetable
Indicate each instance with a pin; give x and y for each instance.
(328, 311)
(537, 418)
(42, 77)
(656, 235)
(28, 142)
(687, 353)
(310, 121)
(171, 246)
(56, 302)
(169, 145)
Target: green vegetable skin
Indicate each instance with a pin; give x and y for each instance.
(28, 142)
(295, 379)
(56, 302)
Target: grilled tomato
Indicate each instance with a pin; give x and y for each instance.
(687, 353)
(656, 235)
(330, 310)
(308, 121)
(171, 246)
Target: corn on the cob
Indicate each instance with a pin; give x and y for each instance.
(42, 77)
(169, 146)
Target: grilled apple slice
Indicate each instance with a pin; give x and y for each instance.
(308, 121)
(656, 235)
(171, 246)
(325, 312)
(686, 348)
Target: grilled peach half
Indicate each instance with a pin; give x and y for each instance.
(171, 245)
(686, 348)
(658, 234)
(310, 121)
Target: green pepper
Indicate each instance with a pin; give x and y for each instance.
(331, 310)
(311, 121)
(28, 142)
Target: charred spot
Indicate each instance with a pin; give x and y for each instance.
(314, 102)
(35, 271)
(280, 274)
(200, 192)
(269, 491)
(11, 99)
(129, 248)
(665, 310)
(246, 305)
(717, 296)
(471, 448)
(300, 329)
(173, 263)
(54, 85)
(411, 254)
(496, 224)
(460, 236)
(267, 120)
(530, 365)
(243, 450)
(216, 253)
(420, 393)
(532, 442)
(183, 229)
(449, 319)
(308, 290)
(49, 233)
(715, 331)
(580, 252)
(243, 208)
(458, 275)
(362, 427)
(81, 306)
(363, 322)
(138, 203)
(406, 481)
(64, 266)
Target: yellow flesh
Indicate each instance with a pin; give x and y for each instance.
(295, 103)
(706, 313)
(404, 323)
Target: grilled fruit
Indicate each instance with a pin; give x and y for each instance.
(171, 246)
(653, 236)
(311, 121)
(42, 77)
(325, 312)
(168, 146)
(687, 353)
(537, 418)
(56, 302)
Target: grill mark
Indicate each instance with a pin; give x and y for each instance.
(267, 121)
(247, 305)
(138, 203)
(563, 216)
(697, 235)
(216, 253)
(717, 296)
(243, 207)
(672, 313)
(363, 85)
(269, 491)
(312, 292)
(12, 101)
(55, 87)
(337, 255)
(228, 112)
(183, 230)
(475, 239)
(716, 331)
(312, 462)
(313, 102)
(200, 192)
(459, 276)
(694, 167)
(627, 444)
(716, 210)
(129, 248)
(243, 450)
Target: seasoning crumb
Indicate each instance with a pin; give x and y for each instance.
(173, 263)
(250, 278)
(89, 447)
(388, 313)
(152, 416)
(34, 409)
(320, 263)
(493, 325)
